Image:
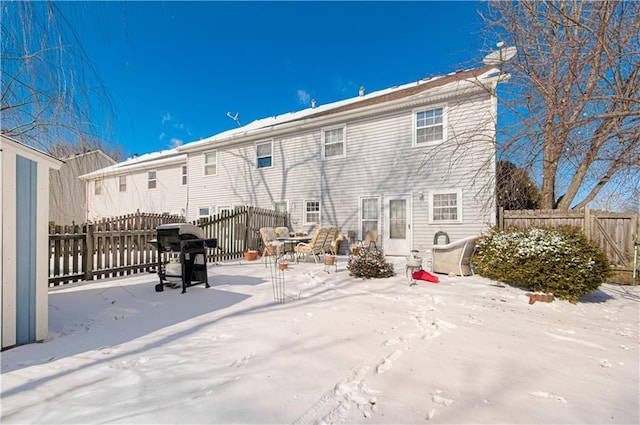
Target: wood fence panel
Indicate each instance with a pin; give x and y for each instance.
(121, 245)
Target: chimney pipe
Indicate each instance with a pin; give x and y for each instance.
(361, 91)
(313, 104)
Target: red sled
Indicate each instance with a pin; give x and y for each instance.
(425, 275)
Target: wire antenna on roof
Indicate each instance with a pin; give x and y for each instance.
(234, 117)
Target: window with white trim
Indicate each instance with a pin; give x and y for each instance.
(184, 174)
(429, 126)
(151, 179)
(312, 212)
(369, 214)
(210, 163)
(333, 142)
(98, 187)
(445, 206)
(122, 183)
(264, 154)
(203, 212)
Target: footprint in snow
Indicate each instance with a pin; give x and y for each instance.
(242, 361)
(388, 361)
(543, 394)
(438, 398)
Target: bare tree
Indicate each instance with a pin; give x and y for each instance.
(574, 94)
(50, 88)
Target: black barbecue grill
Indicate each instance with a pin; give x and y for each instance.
(182, 255)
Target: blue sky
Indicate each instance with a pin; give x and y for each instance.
(172, 70)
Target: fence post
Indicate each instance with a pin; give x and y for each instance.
(501, 217)
(87, 255)
(586, 226)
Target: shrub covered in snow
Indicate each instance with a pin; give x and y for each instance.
(370, 263)
(553, 260)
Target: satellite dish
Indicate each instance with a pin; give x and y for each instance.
(499, 56)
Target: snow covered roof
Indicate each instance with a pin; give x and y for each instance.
(373, 98)
(146, 161)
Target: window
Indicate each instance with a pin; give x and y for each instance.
(445, 206)
(263, 154)
(98, 187)
(122, 183)
(311, 212)
(203, 212)
(369, 215)
(184, 174)
(282, 206)
(151, 178)
(429, 126)
(210, 163)
(333, 142)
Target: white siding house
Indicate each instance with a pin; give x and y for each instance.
(409, 161)
(151, 183)
(24, 215)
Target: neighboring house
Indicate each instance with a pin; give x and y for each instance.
(68, 200)
(24, 230)
(152, 183)
(409, 161)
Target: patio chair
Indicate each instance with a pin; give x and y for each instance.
(315, 246)
(269, 238)
(454, 257)
(330, 240)
(370, 239)
(282, 232)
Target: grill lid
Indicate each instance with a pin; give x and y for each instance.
(180, 229)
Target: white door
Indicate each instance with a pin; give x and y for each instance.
(397, 225)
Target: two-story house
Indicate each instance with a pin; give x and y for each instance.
(151, 183)
(408, 161)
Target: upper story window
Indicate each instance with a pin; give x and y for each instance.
(184, 174)
(264, 156)
(98, 187)
(312, 212)
(333, 142)
(445, 206)
(429, 126)
(122, 183)
(151, 179)
(210, 163)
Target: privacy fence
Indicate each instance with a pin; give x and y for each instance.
(123, 245)
(616, 233)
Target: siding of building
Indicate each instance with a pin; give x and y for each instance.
(169, 196)
(380, 160)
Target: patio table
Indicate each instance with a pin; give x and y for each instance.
(289, 242)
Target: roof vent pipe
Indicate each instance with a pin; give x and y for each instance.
(313, 103)
(361, 91)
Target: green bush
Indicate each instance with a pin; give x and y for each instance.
(370, 263)
(559, 260)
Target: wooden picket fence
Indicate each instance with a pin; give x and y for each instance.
(616, 233)
(122, 245)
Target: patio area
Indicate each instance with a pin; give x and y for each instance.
(338, 350)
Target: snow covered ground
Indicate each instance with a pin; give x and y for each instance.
(339, 350)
